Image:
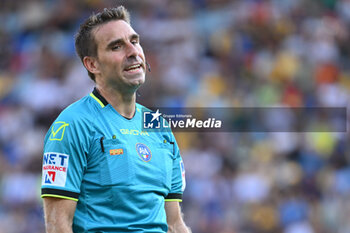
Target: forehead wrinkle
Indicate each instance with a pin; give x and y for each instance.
(98, 28)
(126, 32)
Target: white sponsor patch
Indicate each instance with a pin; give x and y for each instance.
(55, 167)
(182, 166)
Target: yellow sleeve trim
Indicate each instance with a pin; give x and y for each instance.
(178, 200)
(98, 101)
(58, 196)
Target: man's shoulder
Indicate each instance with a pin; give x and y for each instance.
(81, 110)
(76, 117)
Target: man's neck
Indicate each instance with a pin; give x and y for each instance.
(124, 103)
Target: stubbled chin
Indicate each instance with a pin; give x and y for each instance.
(136, 79)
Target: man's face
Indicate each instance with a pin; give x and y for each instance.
(120, 58)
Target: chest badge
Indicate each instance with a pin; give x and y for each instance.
(116, 152)
(144, 152)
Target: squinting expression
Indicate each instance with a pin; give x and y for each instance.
(120, 58)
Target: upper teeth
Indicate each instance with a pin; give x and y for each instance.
(133, 67)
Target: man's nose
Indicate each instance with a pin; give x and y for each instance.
(132, 51)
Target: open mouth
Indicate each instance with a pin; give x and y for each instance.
(133, 67)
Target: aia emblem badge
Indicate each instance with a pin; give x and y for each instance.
(144, 152)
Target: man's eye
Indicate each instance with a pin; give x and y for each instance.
(134, 42)
(116, 47)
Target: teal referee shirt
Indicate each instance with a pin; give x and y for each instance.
(119, 175)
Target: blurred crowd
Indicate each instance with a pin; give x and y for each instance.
(203, 53)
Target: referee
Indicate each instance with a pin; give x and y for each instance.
(96, 175)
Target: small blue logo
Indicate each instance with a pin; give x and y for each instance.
(151, 120)
(144, 152)
(50, 177)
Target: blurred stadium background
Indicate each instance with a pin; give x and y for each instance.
(213, 53)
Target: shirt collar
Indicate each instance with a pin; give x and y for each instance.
(98, 97)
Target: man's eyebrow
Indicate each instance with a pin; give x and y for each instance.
(114, 42)
(135, 36)
(120, 41)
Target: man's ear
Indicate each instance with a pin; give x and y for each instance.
(91, 64)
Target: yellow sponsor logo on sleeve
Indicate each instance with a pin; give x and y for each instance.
(57, 131)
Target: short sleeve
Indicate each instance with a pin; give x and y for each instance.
(64, 159)
(178, 177)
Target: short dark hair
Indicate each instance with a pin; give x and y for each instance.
(85, 44)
